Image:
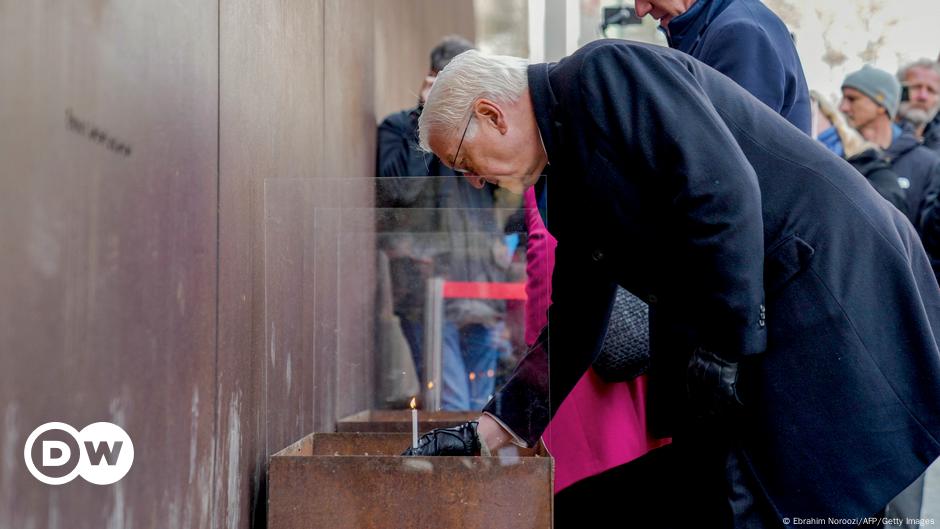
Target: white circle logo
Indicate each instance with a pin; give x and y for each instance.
(55, 453)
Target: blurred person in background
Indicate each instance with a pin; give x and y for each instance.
(920, 81)
(870, 100)
(440, 227)
(866, 157)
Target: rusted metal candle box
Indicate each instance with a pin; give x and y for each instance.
(400, 420)
(357, 481)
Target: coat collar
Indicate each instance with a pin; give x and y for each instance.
(545, 106)
(685, 31)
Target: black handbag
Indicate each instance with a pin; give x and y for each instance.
(625, 353)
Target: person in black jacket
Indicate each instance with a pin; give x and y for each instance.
(776, 364)
(871, 163)
(870, 101)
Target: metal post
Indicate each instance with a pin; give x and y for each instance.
(433, 346)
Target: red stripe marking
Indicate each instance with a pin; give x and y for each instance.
(478, 290)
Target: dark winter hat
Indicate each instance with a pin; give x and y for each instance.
(879, 85)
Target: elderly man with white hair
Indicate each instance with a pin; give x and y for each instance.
(792, 309)
(921, 81)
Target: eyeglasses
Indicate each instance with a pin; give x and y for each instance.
(462, 136)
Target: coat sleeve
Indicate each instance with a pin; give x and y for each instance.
(649, 110)
(735, 51)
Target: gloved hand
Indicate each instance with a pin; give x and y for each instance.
(459, 440)
(712, 384)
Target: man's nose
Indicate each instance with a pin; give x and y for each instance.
(844, 106)
(919, 94)
(642, 8)
(476, 181)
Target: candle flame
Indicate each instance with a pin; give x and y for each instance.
(413, 404)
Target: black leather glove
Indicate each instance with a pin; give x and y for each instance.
(456, 441)
(712, 384)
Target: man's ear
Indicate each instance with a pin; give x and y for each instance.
(490, 112)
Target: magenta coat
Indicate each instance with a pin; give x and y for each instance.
(599, 426)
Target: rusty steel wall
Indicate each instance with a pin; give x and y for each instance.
(108, 145)
(295, 336)
(271, 126)
(403, 54)
(136, 138)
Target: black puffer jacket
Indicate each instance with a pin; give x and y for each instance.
(932, 134)
(918, 169)
(877, 170)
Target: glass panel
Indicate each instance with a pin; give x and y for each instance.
(423, 302)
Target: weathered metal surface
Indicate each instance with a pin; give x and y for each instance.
(270, 126)
(402, 54)
(400, 420)
(359, 492)
(107, 292)
(136, 139)
(319, 268)
(356, 444)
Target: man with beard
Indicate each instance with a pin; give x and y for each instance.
(921, 81)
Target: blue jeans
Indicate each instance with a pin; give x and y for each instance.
(468, 362)
(414, 335)
(468, 368)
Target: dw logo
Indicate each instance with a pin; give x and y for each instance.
(102, 453)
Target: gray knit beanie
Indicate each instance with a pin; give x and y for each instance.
(879, 85)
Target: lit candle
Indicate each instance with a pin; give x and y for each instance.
(414, 424)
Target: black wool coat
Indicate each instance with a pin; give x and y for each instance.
(748, 238)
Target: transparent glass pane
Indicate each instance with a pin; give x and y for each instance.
(420, 302)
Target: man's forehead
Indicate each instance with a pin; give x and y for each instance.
(848, 91)
(922, 73)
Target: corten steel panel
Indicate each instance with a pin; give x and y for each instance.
(308, 222)
(402, 51)
(354, 444)
(349, 93)
(270, 126)
(357, 284)
(356, 491)
(349, 141)
(400, 420)
(319, 259)
(108, 207)
(400, 64)
(350, 154)
(285, 288)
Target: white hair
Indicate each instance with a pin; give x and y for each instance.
(924, 64)
(470, 76)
